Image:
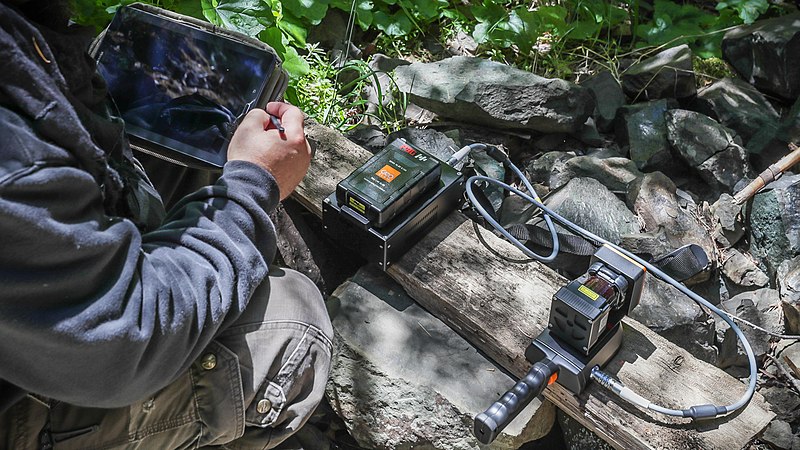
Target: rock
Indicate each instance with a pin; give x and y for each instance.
(670, 313)
(738, 106)
(760, 307)
(643, 130)
(669, 74)
(539, 170)
(779, 435)
(772, 142)
(764, 54)
(775, 223)
(403, 379)
(462, 45)
(577, 436)
(653, 198)
(788, 280)
(490, 94)
(784, 402)
(728, 221)
(589, 204)
(615, 173)
(743, 271)
(608, 98)
(428, 140)
(709, 148)
(378, 93)
(371, 137)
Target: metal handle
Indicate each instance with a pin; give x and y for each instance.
(491, 422)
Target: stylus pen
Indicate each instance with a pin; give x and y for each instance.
(277, 123)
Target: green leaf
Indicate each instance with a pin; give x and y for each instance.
(748, 10)
(397, 24)
(294, 29)
(237, 15)
(295, 64)
(312, 10)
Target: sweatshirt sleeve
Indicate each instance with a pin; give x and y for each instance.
(94, 313)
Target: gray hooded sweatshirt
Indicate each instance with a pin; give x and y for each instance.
(103, 298)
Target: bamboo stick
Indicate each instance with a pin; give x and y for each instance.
(771, 174)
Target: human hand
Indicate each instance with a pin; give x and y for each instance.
(286, 155)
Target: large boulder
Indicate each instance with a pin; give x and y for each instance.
(709, 148)
(757, 307)
(743, 271)
(775, 223)
(668, 74)
(765, 54)
(589, 204)
(400, 378)
(654, 199)
(737, 105)
(642, 129)
(491, 94)
(670, 313)
(608, 98)
(615, 173)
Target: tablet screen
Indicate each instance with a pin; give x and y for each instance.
(180, 87)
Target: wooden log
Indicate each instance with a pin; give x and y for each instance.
(500, 306)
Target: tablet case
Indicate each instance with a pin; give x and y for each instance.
(273, 90)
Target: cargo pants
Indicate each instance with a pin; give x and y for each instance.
(253, 386)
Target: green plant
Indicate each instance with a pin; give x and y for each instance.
(556, 38)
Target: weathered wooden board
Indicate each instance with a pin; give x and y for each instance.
(500, 306)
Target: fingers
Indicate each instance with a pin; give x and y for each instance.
(290, 116)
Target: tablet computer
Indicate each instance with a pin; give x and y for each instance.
(182, 85)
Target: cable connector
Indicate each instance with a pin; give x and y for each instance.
(704, 411)
(616, 386)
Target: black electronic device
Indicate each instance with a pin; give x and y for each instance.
(412, 212)
(583, 332)
(388, 182)
(181, 84)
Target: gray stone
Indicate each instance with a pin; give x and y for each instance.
(788, 280)
(742, 270)
(615, 173)
(642, 128)
(653, 198)
(784, 402)
(371, 137)
(491, 94)
(559, 142)
(708, 147)
(760, 307)
(728, 219)
(772, 141)
(779, 435)
(775, 223)
(589, 204)
(738, 106)
(540, 169)
(402, 379)
(765, 54)
(654, 243)
(462, 44)
(669, 74)
(665, 310)
(608, 98)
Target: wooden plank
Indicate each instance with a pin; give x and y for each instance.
(500, 306)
